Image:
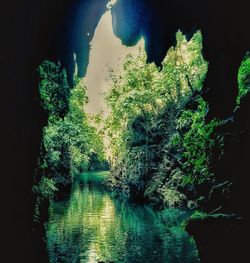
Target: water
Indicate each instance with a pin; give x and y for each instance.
(92, 226)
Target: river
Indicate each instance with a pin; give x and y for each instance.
(93, 226)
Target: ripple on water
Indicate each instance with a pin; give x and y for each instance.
(92, 226)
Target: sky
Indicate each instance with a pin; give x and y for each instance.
(106, 50)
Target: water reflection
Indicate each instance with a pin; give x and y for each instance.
(92, 226)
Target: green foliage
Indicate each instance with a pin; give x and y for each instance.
(244, 78)
(197, 143)
(144, 144)
(65, 140)
(198, 214)
(46, 187)
(68, 140)
(44, 192)
(66, 149)
(54, 89)
(142, 90)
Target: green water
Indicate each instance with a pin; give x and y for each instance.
(92, 226)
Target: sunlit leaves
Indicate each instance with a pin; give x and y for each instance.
(68, 138)
(142, 88)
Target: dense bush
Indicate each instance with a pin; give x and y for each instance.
(68, 140)
(154, 143)
(54, 89)
(197, 143)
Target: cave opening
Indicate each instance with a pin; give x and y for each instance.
(61, 33)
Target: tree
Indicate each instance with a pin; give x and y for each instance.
(143, 144)
(54, 89)
(67, 137)
(142, 90)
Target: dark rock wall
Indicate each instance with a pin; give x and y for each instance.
(221, 232)
(33, 31)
